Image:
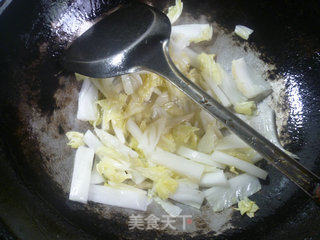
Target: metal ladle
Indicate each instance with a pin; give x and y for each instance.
(136, 38)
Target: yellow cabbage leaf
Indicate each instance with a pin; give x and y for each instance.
(246, 154)
(247, 206)
(167, 143)
(205, 35)
(185, 134)
(149, 82)
(246, 108)
(163, 178)
(233, 170)
(106, 169)
(75, 139)
(209, 68)
(174, 12)
(165, 186)
(113, 109)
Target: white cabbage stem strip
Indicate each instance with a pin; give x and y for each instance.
(81, 174)
(249, 168)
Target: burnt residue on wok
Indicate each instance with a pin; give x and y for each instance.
(37, 96)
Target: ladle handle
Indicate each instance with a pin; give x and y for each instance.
(305, 179)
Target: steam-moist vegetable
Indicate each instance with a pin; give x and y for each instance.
(75, 139)
(178, 164)
(247, 206)
(92, 141)
(188, 196)
(217, 178)
(224, 158)
(174, 12)
(243, 31)
(197, 156)
(249, 83)
(81, 174)
(127, 198)
(209, 139)
(148, 141)
(169, 207)
(183, 35)
(87, 109)
(221, 197)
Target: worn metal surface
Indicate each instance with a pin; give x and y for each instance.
(38, 105)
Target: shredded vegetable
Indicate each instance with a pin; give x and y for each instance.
(217, 178)
(169, 207)
(249, 83)
(146, 140)
(246, 108)
(247, 206)
(188, 196)
(241, 186)
(251, 169)
(75, 139)
(81, 174)
(243, 31)
(174, 12)
(127, 198)
(183, 35)
(87, 109)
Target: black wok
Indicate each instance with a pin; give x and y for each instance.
(38, 104)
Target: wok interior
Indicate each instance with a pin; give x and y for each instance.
(43, 104)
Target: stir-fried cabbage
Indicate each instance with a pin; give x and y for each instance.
(209, 139)
(239, 187)
(127, 198)
(87, 109)
(178, 164)
(112, 110)
(188, 196)
(245, 166)
(96, 177)
(212, 74)
(81, 174)
(243, 31)
(183, 35)
(198, 156)
(169, 207)
(148, 141)
(230, 141)
(112, 170)
(92, 141)
(247, 206)
(248, 82)
(246, 108)
(165, 186)
(174, 12)
(164, 183)
(185, 134)
(167, 142)
(75, 139)
(209, 68)
(217, 178)
(113, 142)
